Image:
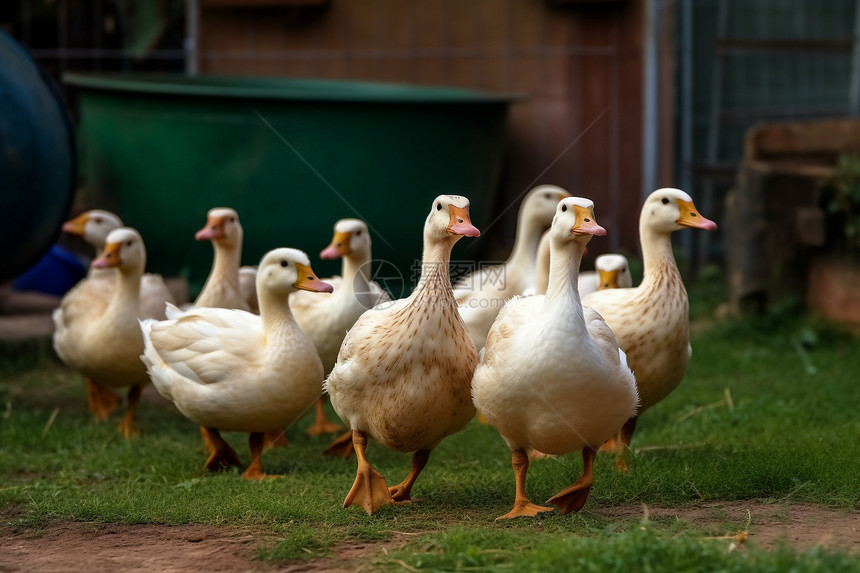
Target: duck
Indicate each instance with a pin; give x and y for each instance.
(651, 321)
(611, 270)
(232, 370)
(221, 289)
(228, 284)
(403, 372)
(93, 226)
(326, 319)
(103, 341)
(551, 376)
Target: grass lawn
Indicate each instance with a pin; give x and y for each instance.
(767, 416)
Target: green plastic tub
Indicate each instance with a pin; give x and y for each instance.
(291, 156)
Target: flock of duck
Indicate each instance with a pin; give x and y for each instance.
(556, 360)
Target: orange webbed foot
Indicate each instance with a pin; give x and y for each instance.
(341, 447)
(323, 427)
(369, 491)
(571, 498)
(101, 401)
(524, 508)
(222, 458)
(128, 429)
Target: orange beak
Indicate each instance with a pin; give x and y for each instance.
(110, 257)
(339, 247)
(585, 223)
(214, 229)
(77, 225)
(608, 279)
(308, 281)
(460, 223)
(691, 218)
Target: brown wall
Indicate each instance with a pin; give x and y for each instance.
(579, 63)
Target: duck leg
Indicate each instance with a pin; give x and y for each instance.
(126, 426)
(255, 470)
(625, 434)
(522, 505)
(341, 447)
(211, 448)
(100, 400)
(403, 490)
(221, 454)
(321, 423)
(275, 439)
(573, 498)
(369, 490)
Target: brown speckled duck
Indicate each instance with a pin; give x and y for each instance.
(404, 370)
(651, 322)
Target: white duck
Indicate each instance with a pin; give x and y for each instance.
(102, 341)
(651, 321)
(404, 369)
(232, 370)
(480, 295)
(326, 319)
(221, 289)
(93, 226)
(551, 376)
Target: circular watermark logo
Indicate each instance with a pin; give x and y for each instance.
(388, 277)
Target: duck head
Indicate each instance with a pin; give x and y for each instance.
(124, 250)
(574, 221)
(449, 219)
(222, 226)
(282, 271)
(539, 205)
(351, 238)
(93, 226)
(668, 209)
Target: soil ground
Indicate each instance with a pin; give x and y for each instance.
(74, 546)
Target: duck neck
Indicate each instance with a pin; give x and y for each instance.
(435, 274)
(565, 259)
(225, 265)
(278, 319)
(355, 273)
(658, 259)
(524, 252)
(127, 292)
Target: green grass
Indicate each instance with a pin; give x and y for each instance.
(786, 435)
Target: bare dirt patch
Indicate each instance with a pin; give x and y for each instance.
(73, 546)
(798, 525)
(100, 548)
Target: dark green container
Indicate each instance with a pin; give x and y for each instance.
(291, 156)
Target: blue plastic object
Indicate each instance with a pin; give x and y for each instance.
(37, 160)
(55, 273)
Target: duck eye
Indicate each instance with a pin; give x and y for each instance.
(284, 263)
(438, 206)
(97, 220)
(231, 219)
(128, 243)
(358, 233)
(563, 208)
(665, 201)
(548, 196)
